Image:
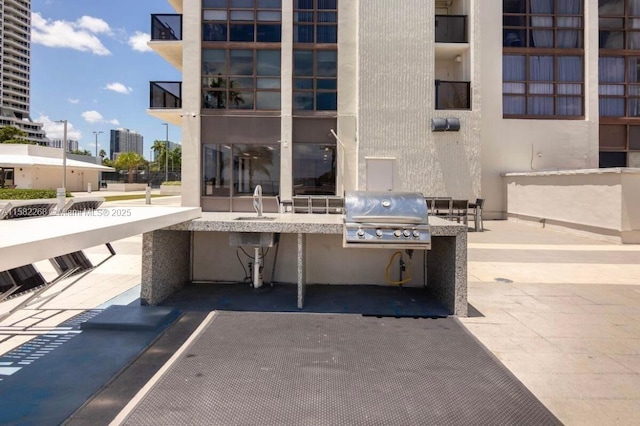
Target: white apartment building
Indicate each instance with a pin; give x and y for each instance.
(72, 144)
(443, 97)
(125, 140)
(15, 68)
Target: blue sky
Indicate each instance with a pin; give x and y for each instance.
(90, 65)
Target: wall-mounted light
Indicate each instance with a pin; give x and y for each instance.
(458, 58)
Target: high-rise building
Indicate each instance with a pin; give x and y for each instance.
(442, 97)
(72, 145)
(15, 68)
(125, 140)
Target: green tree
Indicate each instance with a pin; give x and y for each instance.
(102, 154)
(81, 152)
(11, 134)
(175, 159)
(159, 153)
(129, 161)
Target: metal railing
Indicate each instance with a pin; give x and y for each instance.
(166, 27)
(453, 94)
(165, 94)
(451, 29)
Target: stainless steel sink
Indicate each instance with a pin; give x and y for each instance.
(255, 218)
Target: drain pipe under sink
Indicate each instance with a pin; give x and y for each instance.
(257, 268)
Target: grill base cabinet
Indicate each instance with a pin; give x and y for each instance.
(309, 251)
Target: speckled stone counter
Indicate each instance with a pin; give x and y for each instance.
(163, 272)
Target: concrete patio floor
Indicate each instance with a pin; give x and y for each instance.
(560, 311)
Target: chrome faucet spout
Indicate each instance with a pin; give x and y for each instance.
(257, 200)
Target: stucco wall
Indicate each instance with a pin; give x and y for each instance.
(327, 261)
(191, 86)
(510, 145)
(51, 178)
(396, 102)
(602, 201)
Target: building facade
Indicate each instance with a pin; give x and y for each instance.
(15, 68)
(125, 140)
(72, 145)
(443, 97)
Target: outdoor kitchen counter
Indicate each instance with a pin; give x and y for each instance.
(163, 272)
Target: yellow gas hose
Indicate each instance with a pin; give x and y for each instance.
(386, 271)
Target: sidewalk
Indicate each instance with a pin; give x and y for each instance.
(562, 312)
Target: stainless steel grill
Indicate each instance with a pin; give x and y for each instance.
(386, 220)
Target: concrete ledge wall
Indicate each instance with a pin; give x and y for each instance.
(126, 187)
(170, 189)
(601, 201)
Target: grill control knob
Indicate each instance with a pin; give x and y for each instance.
(379, 233)
(360, 233)
(397, 233)
(406, 233)
(416, 233)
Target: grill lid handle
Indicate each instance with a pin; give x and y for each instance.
(388, 219)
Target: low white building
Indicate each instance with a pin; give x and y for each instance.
(40, 167)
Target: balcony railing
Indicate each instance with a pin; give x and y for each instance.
(166, 94)
(453, 94)
(166, 27)
(451, 29)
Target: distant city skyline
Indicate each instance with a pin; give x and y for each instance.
(90, 65)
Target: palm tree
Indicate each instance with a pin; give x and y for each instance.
(159, 152)
(102, 154)
(129, 161)
(175, 158)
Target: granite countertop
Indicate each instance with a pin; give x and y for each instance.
(290, 223)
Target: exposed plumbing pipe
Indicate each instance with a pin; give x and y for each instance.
(401, 281)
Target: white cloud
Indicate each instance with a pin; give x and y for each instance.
(119, 88)
(92, 117)
(55, 130)
(73, 101)
(138, 41)
(77, 35)
(93, 25)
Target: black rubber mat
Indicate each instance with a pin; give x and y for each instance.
(323, 369)
(345, 299)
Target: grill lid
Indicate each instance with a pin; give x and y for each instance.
(386, 220)
(385, 207)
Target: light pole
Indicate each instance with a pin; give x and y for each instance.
(166, 153)
(97, 133)
(64, 154)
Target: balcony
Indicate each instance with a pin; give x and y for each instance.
(166, 37)
(165, 100)
(451, 29)
(453, 95)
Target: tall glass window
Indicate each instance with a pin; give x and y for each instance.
(314, 169)
(619, 82)
(315, 21)
(234, 77)
(232, 170)
(315, 80)
(251, 21)
(241, 79)
(543, 59)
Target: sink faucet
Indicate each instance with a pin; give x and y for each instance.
(257, 200)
